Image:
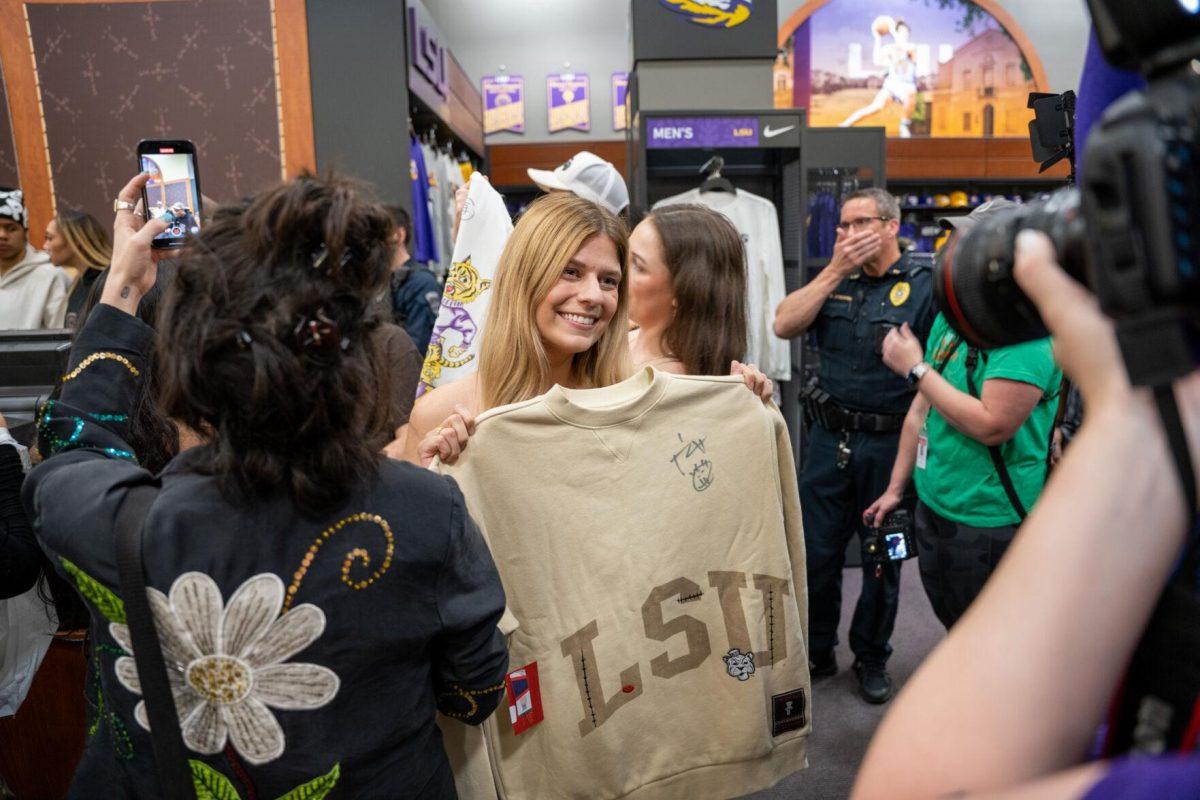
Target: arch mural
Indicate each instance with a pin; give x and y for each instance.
(920, 68)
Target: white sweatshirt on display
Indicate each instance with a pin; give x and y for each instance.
(482, 234)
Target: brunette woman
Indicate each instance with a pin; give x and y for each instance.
(687, 291)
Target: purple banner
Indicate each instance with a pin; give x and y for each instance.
(568, 101)
(680, 132)
(503, 103)
(620, 87)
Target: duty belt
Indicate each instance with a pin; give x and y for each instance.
(820, 407)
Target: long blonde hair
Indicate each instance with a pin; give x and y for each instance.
(86, 237)
(513, 365)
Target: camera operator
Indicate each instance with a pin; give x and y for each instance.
(856, 416)
(1103, 539)
(978, 433)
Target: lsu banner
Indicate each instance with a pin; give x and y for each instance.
(503, 103)
(568, 98)
(620, 87)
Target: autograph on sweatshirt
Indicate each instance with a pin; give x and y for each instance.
(690, 461)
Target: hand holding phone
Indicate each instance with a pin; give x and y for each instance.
(134, 266)
(173, 191)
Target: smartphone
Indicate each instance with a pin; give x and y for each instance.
(174, 188)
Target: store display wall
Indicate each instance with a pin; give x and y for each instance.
(531, 41)
(156, 70)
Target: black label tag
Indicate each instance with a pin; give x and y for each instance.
(788, 712)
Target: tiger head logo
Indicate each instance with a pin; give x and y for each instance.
(738, 664)
(463, 283)
(713, 13)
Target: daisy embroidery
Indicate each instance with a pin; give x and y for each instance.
(225, 663)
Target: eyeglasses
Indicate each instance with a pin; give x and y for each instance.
(861, 222)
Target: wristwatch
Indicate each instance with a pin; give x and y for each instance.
(916, 373)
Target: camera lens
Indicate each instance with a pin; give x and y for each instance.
(973, 277)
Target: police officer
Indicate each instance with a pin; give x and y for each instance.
(857, 411)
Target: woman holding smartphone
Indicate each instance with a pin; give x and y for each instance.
(315, 603)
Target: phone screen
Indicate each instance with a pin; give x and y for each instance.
(173, 189)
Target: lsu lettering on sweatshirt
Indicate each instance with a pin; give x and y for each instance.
(649, 539)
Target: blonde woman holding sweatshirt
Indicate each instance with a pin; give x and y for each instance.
(559, 316)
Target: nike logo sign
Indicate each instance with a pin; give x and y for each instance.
(771, 133)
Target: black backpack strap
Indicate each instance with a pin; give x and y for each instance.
(174, 774)
(1168, 412)
(994, 451)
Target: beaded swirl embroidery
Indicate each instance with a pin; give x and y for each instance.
(357, 554)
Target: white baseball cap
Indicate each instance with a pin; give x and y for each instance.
(589, 176)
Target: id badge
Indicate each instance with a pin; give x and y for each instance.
(922, 450)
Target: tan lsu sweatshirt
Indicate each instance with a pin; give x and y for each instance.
(650, 542)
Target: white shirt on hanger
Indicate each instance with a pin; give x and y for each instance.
(449, 178)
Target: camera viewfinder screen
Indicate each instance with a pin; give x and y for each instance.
(172, 188)
(897, 549)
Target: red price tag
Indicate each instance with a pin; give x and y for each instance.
(524, 697)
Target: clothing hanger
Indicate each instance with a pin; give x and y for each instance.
(713, 182)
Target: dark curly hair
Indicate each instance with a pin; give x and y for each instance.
(262, 342)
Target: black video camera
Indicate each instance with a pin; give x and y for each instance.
(1131, 232)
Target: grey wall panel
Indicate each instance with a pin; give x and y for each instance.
(663, 31)
(360, 93)
(690, 85)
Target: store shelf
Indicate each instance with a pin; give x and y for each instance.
(508, 162)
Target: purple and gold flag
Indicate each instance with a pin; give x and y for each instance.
(620, 87)
(503, 103)
(568, 99)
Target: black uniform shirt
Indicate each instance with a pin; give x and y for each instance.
(850, 329)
